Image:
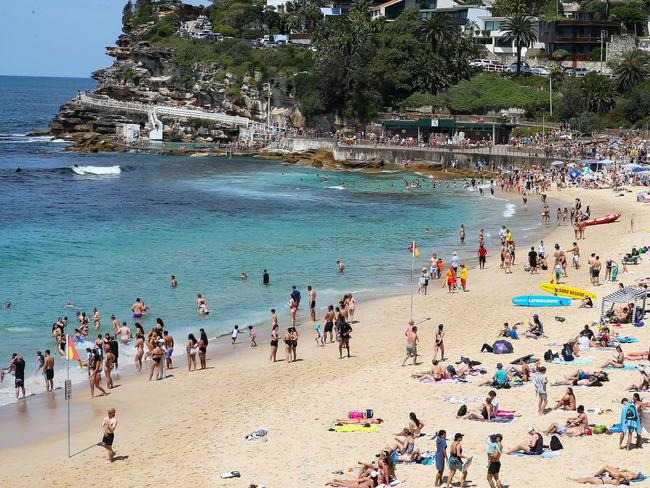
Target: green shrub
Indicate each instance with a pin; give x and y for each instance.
(419, 99)
(587, 122)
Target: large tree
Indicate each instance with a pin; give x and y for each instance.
(437, 30)
(631, 69)
(519, 29)
(598, 92)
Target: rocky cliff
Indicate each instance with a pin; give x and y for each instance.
(151, 72)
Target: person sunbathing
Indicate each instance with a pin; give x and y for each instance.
(637, 356)
(404, 442)
(486, 412)
(535, 445)
(437, 373)
(358, 421)
(644, 382)
(609, 475)
(584, 378)
(575, 426)
(369, 481)
(616, 361)
(414, 457)
(567, 402)
(415, 425)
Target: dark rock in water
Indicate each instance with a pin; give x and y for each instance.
(38, 133)
(91, 142)
(369, 163)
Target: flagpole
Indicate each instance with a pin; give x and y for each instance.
(67, 385)
(412, 272)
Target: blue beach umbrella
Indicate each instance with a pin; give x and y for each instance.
(574, 173)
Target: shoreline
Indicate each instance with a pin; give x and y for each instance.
(224, 350)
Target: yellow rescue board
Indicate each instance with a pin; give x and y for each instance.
(566, 291)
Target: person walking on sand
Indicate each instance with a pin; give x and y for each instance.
(312, 303)
(540, 381)
(456, 460)
(463, 277)
(439, 344)
(95, 372)
(411, 345)
(450, 280)
(234, 334)
(482, 257)
(344, 338)
(252, 334)
(109, 424)
(274, 342)
(441, 456)
(494, 450)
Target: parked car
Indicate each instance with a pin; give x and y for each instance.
(540, 70)
(480, 63)
(578, 72)
(524, 69)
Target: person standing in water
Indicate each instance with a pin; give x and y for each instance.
(462, 234)
(266, 279)
(174, 283)
(109, 424)
(48, 370)
(312, 303)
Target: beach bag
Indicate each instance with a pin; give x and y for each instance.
(555, 443)
(462, 411)
(599, 429)
(369, 413)
(355, 414)
(548, 356)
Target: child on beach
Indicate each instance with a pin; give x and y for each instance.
(235, 333)
(319, 335)
(252, 333)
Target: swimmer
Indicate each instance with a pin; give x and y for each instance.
(174, 283)
(7, 305)
(244, 275)
(138, 308)
(341, 266)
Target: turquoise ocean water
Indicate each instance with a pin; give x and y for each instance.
(102, 240)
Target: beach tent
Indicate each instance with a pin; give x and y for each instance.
(502, 347)
(630, 294)
(557, 163)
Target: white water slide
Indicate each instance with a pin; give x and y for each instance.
(249, 130)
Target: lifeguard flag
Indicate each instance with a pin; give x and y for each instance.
(72, 351)
(413, 249)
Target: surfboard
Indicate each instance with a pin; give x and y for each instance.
(541, 301)
(566, 291)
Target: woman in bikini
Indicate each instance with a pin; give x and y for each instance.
(439, 344)
(95, 374)
(456, 460)
(644, 382)
(156, 355)
(288, 344)
(274, 343)
(567, 402)
(485, 413)
(190, 349)
(404, 442)
(203, 349)
(617, 360)
(415, 425)
(609, 475)
(139, 351)
(293, 309)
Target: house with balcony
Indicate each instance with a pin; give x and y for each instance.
(579, 35)
(460, 15)
(492, 35)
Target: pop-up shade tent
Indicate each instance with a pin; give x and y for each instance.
(626, 295)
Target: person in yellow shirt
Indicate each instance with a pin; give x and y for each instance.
(463, 277)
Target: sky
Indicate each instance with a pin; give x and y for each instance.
(58, 37)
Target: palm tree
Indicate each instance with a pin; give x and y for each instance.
(519, 28)
(630, 69)
(437, 30)
(598, 92)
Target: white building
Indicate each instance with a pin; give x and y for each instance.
(492, 37)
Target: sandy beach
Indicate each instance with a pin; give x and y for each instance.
(190, 428)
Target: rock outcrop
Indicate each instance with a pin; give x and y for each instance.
(149, 73)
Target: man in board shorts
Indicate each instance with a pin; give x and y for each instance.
(109, 425)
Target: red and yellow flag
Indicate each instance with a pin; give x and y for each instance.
(72, 351)
(413, 249)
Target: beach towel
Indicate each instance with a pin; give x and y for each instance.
(575, 361)
(428, 381)
(626, 340)
(496, 419)
(356, 428)
(640, 477)
(545, 454)
(461, 399)
(392, 483)
(627, 367)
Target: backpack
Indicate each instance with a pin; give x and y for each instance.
(548, 356)
(555, 443)
(462, 411)
(599, 429)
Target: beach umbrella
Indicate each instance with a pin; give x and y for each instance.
(588, 161)
(502, 347)
(631, 166)
(574, 173)
(641, 169)
(557, 163)
(605, 161)
(571, 165)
